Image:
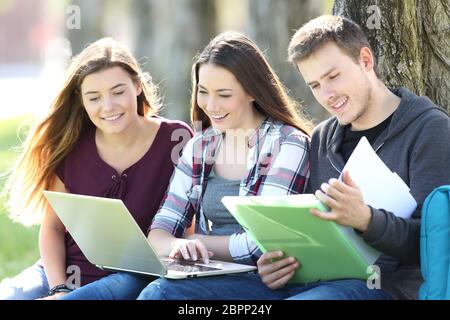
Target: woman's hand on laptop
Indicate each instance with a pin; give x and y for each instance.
(190, 250)
(276, 272)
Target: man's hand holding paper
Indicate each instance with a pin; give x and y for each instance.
(346, 202)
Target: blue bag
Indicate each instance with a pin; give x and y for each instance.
(435, 245)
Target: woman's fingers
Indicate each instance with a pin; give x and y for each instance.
(281, 282)
(275, 274)
(267, 257)
(278, 269)
(190, 250)
(202, 250)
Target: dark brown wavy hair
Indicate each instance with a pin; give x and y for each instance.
(241, 56)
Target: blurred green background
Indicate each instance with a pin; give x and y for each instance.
(18, 244)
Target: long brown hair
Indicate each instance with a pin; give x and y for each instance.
(49, 142)
(240, 55)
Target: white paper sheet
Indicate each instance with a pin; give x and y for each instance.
(381, 188)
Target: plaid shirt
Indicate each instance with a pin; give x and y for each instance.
(278, 164)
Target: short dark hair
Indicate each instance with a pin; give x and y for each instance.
(345, 33)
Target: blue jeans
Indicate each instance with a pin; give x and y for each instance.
(250, 287)
(117, 286)
(30, 284)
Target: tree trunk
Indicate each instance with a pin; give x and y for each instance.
(271, 24)
(90, 28)
(170, 34)
(411, 42)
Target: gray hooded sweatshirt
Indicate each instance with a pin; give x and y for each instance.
(416, 145)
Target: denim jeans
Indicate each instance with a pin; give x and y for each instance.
(117, 286)
(250, 287)
(30, 284)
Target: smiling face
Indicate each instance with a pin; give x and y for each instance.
(339, 83)
(224, 100)
(110, 99)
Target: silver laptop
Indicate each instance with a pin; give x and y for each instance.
(111, 239)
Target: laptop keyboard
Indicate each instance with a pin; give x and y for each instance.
(185, 266)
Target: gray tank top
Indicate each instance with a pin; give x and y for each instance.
(223, 223)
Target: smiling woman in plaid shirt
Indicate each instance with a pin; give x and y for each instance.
(250, 141)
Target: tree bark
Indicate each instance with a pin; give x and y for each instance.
(91, 27)
(271, 24)
(410, 40)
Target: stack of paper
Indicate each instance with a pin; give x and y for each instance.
(381, 188)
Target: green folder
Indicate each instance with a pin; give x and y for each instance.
(325, 250)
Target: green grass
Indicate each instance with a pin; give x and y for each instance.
(18, 244)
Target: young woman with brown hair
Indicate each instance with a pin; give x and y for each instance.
(253, 142)
(101, 137)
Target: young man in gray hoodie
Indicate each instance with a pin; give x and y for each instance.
(409, 133)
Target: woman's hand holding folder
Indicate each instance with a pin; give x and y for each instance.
(276, 272)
